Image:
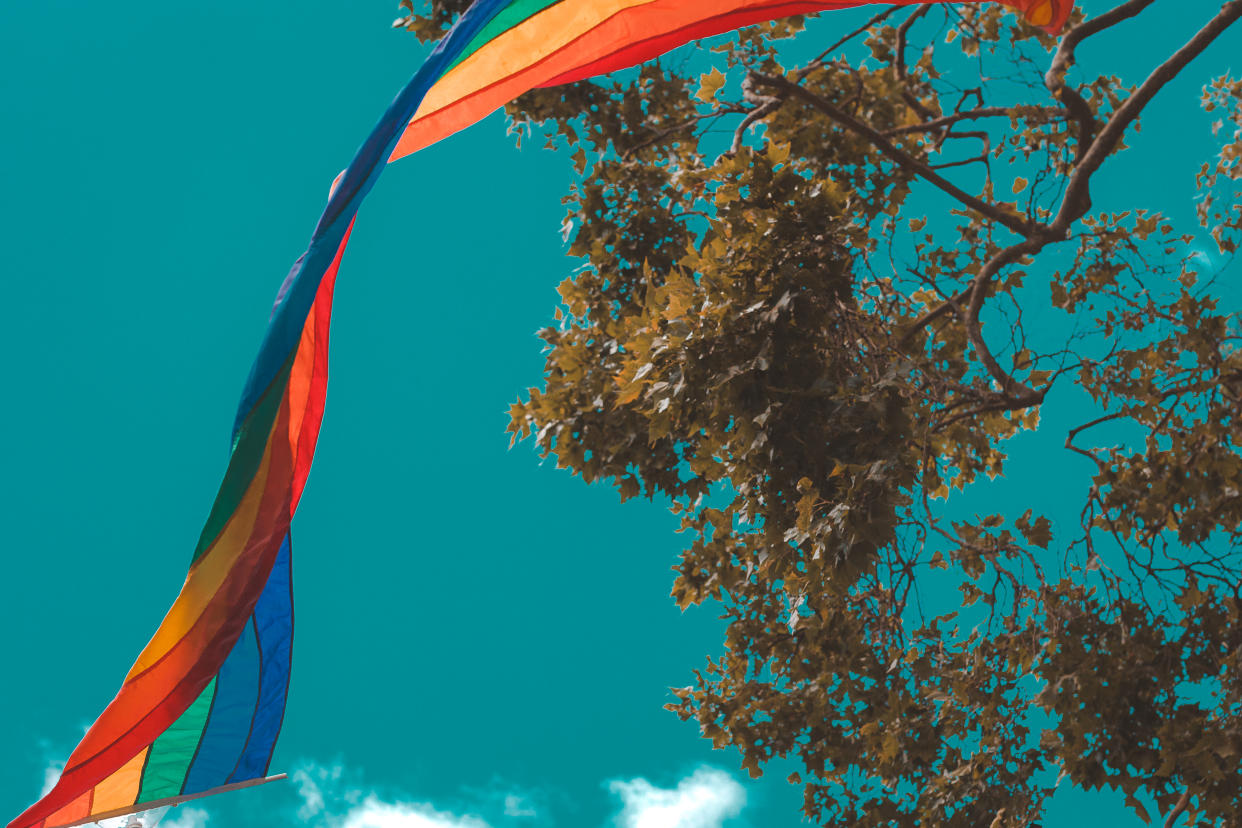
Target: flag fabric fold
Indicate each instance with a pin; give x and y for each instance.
(202, 706)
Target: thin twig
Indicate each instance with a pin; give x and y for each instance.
(1014, 222)
(949, 120)
(819, 60)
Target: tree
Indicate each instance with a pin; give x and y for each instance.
(801, 322)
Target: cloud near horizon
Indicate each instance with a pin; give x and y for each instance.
(373, 812)
(184, 817)
(330, 798)
(705, 799)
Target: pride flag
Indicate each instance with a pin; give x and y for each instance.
(200, 710)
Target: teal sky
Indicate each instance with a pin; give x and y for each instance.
(478, 634)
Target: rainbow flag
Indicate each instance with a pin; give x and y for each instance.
(201, 708)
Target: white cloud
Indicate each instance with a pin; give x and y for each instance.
(332, 797)
(375, 813)
(185, 818)
(51, 775)
(705, 799)
(329, 800)
(311, 780)
(518, 806)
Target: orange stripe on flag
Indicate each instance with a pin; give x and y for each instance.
(120, 790)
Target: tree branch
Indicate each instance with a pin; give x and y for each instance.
(1074, 432)
(1178, 809)
(761, 111)
(659, 135)
(1054, 80)
(1077, 199)
(949, 120)
(907, 162)
(1010, 387)
(934, 314)
(819, 60)
(903, 32)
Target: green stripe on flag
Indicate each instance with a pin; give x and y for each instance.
(511, 16)
(172, 753)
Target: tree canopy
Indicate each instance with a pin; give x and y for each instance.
(803, 319)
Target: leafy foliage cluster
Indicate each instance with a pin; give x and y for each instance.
(768, 335)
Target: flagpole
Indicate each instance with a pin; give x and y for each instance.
(170, 801)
